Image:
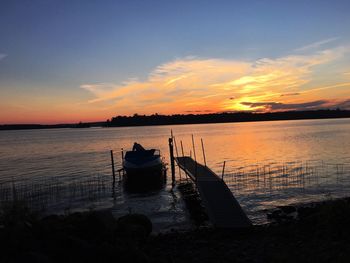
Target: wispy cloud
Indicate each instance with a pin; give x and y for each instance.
(2, 56)
(317, 44)
(344, 104)
(291, 94)
(195, 84)
(311, 105)
(276, 106)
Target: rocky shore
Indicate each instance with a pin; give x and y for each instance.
(318, 232)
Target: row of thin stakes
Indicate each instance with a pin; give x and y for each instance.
(46, 192)
(292, 175)
(172, 143)
(56, 192)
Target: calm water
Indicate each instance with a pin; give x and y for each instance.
(80, 157)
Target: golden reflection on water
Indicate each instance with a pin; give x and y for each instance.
(245, 144)
(255, 154)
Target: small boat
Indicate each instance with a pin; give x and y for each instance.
(141, 165)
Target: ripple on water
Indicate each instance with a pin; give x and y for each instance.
(72, 166)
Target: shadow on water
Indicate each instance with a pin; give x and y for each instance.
(143, 184)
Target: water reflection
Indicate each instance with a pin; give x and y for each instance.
(149, 185)
(72, 158)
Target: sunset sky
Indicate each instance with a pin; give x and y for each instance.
(70, 61)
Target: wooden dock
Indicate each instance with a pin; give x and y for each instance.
(223, 209)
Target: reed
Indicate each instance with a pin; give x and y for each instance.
(50, 193)
(299, 176)
(57, 193)
(62, 193)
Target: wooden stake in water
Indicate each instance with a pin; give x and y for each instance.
(223, 171)
(195, 157)
(183, 155)
(113, 171)
(194, 149)
(172, 163)
(177, 155)
(205, 161)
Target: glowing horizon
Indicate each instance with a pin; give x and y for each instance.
(66, 70)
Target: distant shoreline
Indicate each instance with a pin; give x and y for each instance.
(179, 119)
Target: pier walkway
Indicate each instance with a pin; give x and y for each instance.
(222, 207)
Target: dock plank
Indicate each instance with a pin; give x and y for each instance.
(222, 207)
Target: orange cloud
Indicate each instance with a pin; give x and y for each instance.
(194, 84)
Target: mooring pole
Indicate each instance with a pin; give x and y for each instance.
(205, 161)
(113, 171)
(183, 155)
(194, 154)
(182, 149)
(223, 171)
(177, 155)
(194, 149)
(172, 163)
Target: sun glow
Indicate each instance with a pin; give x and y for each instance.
(194, 84)
(209, 85)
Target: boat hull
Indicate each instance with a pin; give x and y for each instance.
(144, 169)
(145, 180)
(144, 174)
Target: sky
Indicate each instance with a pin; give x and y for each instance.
(70, 61)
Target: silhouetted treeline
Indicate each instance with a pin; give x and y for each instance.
(143, 120)
(32, 126)
(53, 126)
(156, 119)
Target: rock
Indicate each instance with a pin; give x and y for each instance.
(283, 214)
(49, 226)
(304, 212)
(104, 219)
(77, 245)
(92, 225)
(20, 235)
(51, 221)
(274, 214)
(106, 252)
(132, 255)
(288, 209)
(135, 224)
(36, 257)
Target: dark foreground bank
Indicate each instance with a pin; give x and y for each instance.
(319, 233)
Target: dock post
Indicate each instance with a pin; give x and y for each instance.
(113, 171)
(194, 154)
(194, 149)
(223, 171)
(177, 155)
(183, 155)
(172, 163)
(205, 161)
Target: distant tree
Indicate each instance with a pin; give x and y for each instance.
(108, 122)
(82, 125)
(157, 119)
